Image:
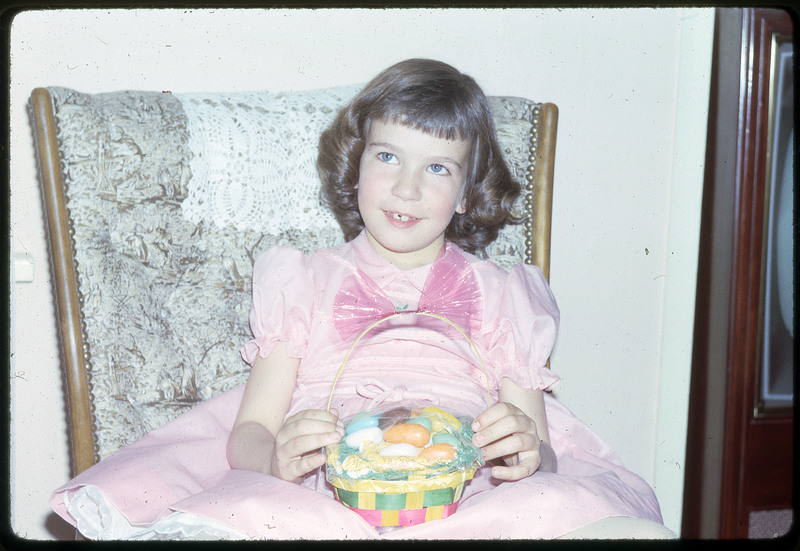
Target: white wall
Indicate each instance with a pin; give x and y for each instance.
(632, 88)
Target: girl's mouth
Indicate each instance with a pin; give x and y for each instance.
(399, 219)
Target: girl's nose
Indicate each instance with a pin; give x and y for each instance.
(407, 186)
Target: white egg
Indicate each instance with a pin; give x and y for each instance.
(400, 450)
(357, 439)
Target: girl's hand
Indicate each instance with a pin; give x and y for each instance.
(297, 445)
(503, 430)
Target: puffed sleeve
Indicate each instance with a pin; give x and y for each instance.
(526, 330)
(283, 299)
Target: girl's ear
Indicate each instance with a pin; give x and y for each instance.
(461, 208)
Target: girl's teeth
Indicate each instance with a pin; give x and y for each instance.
(401, 217)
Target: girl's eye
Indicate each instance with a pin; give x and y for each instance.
(387, 157)
(439, 169)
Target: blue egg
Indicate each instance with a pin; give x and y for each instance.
(445, 438)
(361, 421)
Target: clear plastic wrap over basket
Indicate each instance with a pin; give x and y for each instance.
(408, 442)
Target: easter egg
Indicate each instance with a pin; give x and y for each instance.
(408, 433)
(370, 434)
(420, 420)
(440, 419)
(445, 438)
(438, 452)
(400, 450)
(393, 416)
(361, 421)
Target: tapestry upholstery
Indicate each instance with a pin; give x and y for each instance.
(163, 261)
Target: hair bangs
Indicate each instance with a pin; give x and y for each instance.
(440, 117)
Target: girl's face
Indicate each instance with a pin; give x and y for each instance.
(410, 185)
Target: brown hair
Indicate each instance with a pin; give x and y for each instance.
(432, 97)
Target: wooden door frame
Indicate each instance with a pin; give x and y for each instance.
(731, 452)
(751, 457)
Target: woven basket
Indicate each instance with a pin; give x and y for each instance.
(417, 498)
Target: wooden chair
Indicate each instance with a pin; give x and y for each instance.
(152, 305)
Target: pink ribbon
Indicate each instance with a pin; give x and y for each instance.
(379, 393)
(451, 290)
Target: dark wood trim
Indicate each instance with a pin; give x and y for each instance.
(736, 462)
(748, 461)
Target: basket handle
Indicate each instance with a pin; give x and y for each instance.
(396, 314)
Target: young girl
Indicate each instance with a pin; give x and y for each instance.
(413, 172)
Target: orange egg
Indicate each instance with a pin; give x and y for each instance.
(438, 452)
(407, 433)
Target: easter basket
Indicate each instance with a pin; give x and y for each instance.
(403, 466)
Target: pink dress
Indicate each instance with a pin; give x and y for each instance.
(513, 321)
(318, 305)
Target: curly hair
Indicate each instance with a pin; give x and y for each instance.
(434, 98)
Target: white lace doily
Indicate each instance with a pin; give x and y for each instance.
(254, 158)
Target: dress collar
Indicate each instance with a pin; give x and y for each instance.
(384, 272)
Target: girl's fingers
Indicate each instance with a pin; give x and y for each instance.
(504, 431)
(492, 414)
(515, 472)
(299, 441)
(301, 445)
(515, 443)
(502, 428)
(301, 455)
(314, 415)
(297, 427)
(296, 468)
(497, 413)
(308, 463)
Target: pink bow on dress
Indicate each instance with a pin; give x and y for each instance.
(379, 393)
(451, 290)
